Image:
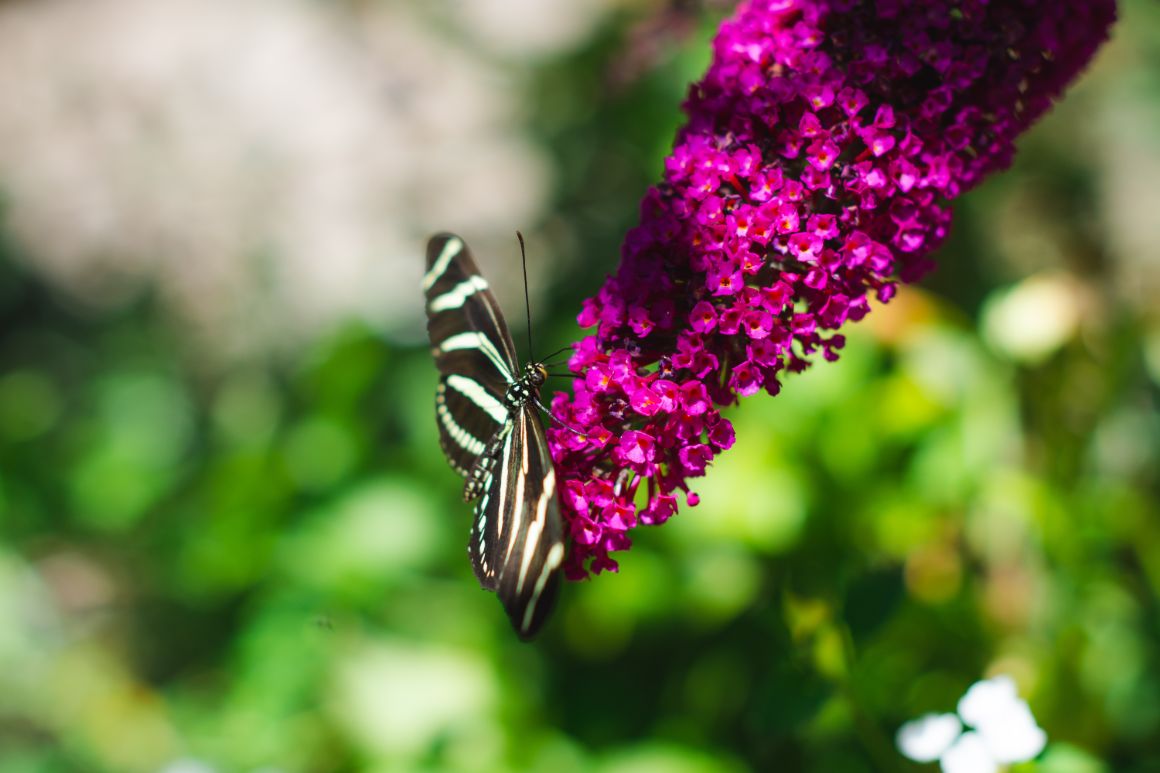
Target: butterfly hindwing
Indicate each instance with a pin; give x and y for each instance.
(516, 543)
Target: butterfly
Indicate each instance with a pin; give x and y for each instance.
(487, 410)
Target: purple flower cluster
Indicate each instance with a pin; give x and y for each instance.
(815, 170)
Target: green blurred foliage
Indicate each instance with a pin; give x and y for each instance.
(262, 567)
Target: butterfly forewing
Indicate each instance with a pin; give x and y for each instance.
(516, 544)
(464, 318)
(473, 351)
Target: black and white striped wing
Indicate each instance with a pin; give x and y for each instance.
(473, 351)
(517, 544)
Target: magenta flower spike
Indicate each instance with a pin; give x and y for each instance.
(821, 153)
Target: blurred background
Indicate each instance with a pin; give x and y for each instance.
(228, 540)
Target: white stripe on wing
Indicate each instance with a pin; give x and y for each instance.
(474, 340)
(480, 397)
(453, 247)
(458, 295)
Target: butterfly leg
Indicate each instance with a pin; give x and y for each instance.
(481, 471)
(551, 416)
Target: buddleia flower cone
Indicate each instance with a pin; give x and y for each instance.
(822, 151)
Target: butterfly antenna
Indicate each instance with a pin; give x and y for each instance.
(527, 303)
(558, 351)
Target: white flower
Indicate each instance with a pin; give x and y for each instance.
(1004, 721)
(969, 754)
(1004, 731)
(987, 700)
(1013, 736)
(928, 737)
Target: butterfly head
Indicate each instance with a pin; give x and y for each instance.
(536, 374)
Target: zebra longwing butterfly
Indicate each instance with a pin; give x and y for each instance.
(491, 431)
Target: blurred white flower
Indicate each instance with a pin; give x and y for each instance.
(1016, 739)
(928, 737)
(987, 700)
(1004, 731)
(272, 168)
(1003, 720)
(968, 754)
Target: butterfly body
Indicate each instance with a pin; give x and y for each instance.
(490, 429)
